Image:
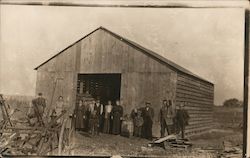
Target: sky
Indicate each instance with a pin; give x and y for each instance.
(208, 42)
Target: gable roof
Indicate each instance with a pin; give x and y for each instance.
(140, 48)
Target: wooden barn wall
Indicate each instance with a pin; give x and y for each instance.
(63, 69)
(103, 53)
(153, 87)
(143, 78)
(199, 96)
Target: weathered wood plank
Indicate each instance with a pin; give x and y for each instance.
(194, 87)
(183, 89)
(196, 83)
(199, 96)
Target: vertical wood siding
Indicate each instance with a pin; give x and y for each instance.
(143, 78)
(63, 66)
(103, 53)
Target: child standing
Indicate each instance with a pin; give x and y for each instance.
(94, 123)
(138, 122)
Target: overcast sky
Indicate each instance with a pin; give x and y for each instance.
(208, 42)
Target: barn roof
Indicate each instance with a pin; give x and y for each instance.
(139, 47)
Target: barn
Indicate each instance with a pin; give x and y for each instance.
(111, 67)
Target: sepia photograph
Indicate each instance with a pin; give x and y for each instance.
(122, 79)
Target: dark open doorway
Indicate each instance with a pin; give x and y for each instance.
(103, 86)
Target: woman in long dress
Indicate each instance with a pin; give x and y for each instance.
(116, 114)
(89, 111)
(80, 116)
(108, 109)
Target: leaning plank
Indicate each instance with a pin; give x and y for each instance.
(8, 141)
(169, 137)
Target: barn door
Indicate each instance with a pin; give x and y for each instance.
(103, 86)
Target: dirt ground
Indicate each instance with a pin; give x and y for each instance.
(117, 145)
(205, 145)
(209, 144)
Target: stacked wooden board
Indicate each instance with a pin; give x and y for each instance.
(171, 141)
(199, 97)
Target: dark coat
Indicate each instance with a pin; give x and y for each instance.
(39, 104)
(167, 115)
(80, 117)
(99, 109)
(148, 115)
(117, 113)
(133, 113)
(182, 117)
(100, 113)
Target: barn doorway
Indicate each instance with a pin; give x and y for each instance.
(103, 86)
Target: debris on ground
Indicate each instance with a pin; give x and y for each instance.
(171, 141)
(23, 139)
(230, 151)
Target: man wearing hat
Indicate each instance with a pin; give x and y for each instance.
(39, 105)
(148, 115)
(182, 118)
(166, 118)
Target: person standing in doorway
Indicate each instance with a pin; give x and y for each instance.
(116, 114)
(94, 123)
(107, 112)
(99, 112)
(91, 109)
(166, 118)
(148, 115)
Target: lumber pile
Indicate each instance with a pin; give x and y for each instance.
(37, 140)
(171, 141)
(230, 151)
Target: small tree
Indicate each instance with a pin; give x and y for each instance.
(232, 103)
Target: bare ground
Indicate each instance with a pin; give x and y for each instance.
(206, 145)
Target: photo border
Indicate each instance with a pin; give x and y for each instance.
(172, 4)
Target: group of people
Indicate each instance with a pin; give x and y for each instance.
(172, 121)
(93, 117)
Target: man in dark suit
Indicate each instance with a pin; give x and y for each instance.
(148, 115)
(99, 111)
(166, 118)
(39, 105)
(182, 118)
